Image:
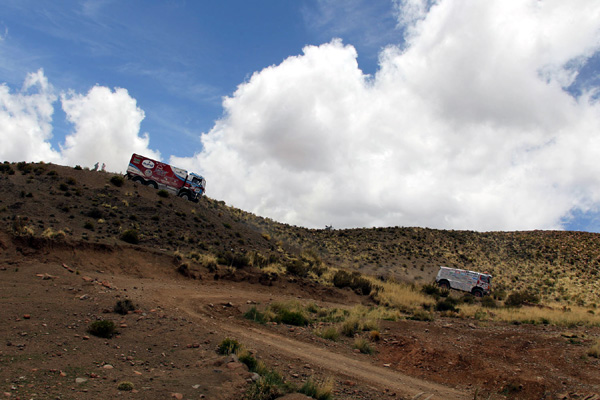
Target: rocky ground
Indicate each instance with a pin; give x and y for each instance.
(166, 347)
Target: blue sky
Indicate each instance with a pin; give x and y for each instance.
(177, 58)
(447, 114)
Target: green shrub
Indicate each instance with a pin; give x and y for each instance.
(233, 260)
(363, 345)
(342, 279)
(594, 351)
(78, 168)
(94, 213)
(163, 193)
(125, 386)
(254, 315)
(431, 290)
(289, 317)
(263, 390)
(123, 306)
(297, 268)
(330, 333)
(89, 225)
(519, 298)
(489, 302)
(130, 236)
(102, 328)
(6, 168)
(249, 360)
(228, 346)
(421, 315)
(361, 285)
(24, 167)
(447, 304)
(117, 180)
(350, 327)
(316, 391)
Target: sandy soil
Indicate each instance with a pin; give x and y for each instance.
(50, 293)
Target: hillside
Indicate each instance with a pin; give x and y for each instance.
(74, 242)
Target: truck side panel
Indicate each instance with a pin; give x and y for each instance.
(161, 173)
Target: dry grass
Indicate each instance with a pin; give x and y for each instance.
(274, 268)
(403, 297)
(594, 351)
(557, 315)
(50, 233)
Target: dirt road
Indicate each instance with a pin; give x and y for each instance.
(344, 367)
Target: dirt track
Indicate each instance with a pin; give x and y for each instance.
(353, 368)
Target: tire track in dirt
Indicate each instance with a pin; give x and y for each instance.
(338, 364)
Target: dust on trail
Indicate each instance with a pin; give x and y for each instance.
(191, 301)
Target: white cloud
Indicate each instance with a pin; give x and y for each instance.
(107, 125)
(26, 121)
(468, 126)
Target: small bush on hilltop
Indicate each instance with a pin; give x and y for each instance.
(117, 180)
(163, 193)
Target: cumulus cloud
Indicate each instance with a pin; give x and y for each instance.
(26, 120)
(468, 126)
(107, 125)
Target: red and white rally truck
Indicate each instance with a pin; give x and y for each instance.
(164, 176)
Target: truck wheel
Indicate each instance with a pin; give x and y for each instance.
(477, 292)
(137, 179)
(184, 195)
(444, 285)
(153, 184)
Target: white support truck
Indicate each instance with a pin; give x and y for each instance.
(476, 283)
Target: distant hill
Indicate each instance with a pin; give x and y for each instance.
(98, 207)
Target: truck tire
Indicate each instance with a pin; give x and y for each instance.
(138, 179)
(444, 284)
(477, 292)
(153, 184)
(184, 195)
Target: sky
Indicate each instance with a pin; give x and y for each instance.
(448, 114)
